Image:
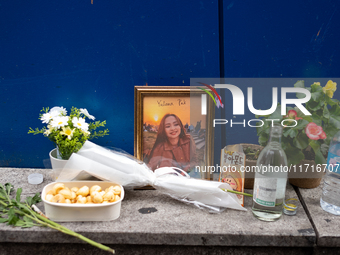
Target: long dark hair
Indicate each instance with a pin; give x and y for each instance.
(161, 135)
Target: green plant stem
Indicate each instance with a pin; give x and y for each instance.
(48, 223)
(25, 211)
(7, 195)
(237, 192)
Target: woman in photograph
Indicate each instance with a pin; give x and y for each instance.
(173, 147)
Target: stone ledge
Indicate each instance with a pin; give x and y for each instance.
(85, 249)
(169, 222)
(326, 224)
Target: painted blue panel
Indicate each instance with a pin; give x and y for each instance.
(279, 39)
(62, 53)
(288, 39)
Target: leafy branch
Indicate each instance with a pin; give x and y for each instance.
(20, 214)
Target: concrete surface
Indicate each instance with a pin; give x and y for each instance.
(326, 224)
(150, 220)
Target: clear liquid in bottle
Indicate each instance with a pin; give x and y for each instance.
(270, 179)
(330, 199)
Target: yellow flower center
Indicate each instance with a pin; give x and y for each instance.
(68, 132)
(79, 124)
(60, 122)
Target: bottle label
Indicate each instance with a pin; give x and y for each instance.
(265, 191)
(333, 163)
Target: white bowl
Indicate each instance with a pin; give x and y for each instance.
(82, 212)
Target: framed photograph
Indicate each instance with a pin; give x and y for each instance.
(170, 129)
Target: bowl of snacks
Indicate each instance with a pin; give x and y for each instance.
(82, 200)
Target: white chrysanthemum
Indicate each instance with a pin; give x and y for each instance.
(58, 111)
(59, 121)
(49, 130)
(80, 123)
(86, 113)
(68, 132)
(46, 117)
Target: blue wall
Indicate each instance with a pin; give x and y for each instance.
(285, 39)
(64, 53)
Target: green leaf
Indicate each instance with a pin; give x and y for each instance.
(24, 224)
(317, 120)
(263, 139)
(302, 124)
(17, 198)
(335, 121)
(301, 141)
(315, 145)
(334, 101)
(324, 148)
(334, 118)
(263, 130)
(25, 218)
(276, 114)
(334, 110)
(314, 105)
(292, 132)
(294, 155)
(3, 220)
(319, 158)
(11, 212)
(326, 113)
(36, 199)
(29, 201)
(316, 88)
(19, 223)
(330, 130)
(300, 84)
(317, 96)
(308, 118)
(302, 115)
(28, 225)
(8, 188)
(12, 218)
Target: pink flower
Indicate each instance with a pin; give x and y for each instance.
(292, 114)
(315, 132)
(323, 135)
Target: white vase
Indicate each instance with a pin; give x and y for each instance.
(55, 161)
(59, 164)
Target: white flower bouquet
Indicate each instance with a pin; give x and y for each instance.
(69, 133)
(122, 168)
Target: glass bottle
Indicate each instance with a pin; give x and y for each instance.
(270, 179)
(330, 199)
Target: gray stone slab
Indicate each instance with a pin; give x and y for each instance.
(149, 217)
(85, 249)
(326, 224)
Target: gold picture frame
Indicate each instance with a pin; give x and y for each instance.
(151, 101)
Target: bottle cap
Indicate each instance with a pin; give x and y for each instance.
(290, 206)
(35, 178)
